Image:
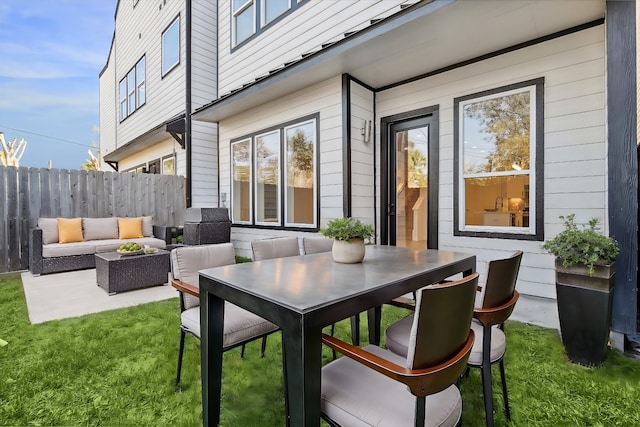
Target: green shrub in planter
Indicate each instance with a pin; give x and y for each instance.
(582, 246)
(347, 229)
(585, 279)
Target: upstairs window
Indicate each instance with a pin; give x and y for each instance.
(274, 176)
(271, 9)
(499, 160)
(171, 47)
(250, 17)
(132, 90)
(243, 20)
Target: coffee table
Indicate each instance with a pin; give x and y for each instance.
(117, 273)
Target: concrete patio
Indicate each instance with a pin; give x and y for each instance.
(76, 293)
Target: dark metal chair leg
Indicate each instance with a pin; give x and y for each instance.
(419, 420)
(333, 330)
(180, 353)
(355, 329)
(486, 375)
(264, 346)
(504, 391)
(242, 352)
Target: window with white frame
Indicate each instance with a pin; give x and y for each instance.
(499, 159)
(132, 90)
(171, 47)
(274, 176)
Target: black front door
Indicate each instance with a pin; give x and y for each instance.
(410, 151)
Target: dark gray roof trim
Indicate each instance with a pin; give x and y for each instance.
(407, 12)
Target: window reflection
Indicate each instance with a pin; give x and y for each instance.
(268, 177)
(497, 147)
(300, 174)
(241, 177)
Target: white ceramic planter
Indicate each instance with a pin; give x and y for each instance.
(348, 252)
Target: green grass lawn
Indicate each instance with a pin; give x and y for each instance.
(118, 368)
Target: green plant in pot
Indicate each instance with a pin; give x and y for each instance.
(349, 235)
(585, 277)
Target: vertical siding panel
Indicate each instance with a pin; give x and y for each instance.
(23, 216)
(55, 191)
(13, 231)
(4, 242)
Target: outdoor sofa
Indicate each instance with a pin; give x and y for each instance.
(65, 244)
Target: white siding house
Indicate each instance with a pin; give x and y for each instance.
(406, 68)
(172, 53)
(391, 111)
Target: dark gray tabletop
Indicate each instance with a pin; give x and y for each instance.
(309, 282)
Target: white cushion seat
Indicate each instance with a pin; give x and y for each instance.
(351, 396)
(53, 250)
(498, 344)
(239, 324)
(396, 336)
(111, 245)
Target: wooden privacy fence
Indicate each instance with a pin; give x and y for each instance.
(27, 194)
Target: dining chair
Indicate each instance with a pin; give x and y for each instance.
(275, 247)
(418, 389)
(240, 326)
(316, 244)
(498, 302)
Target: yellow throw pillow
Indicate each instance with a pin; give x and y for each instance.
(130, 228)
(69, 230)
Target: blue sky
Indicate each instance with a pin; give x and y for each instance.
(51, 52)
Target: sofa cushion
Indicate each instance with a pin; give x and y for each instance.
(49, 228)
(100, 228)
(110, 245)
(147, 226)
(69, 230)
(67, 249)
(129, 228)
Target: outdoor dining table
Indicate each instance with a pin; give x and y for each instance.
(301, 295)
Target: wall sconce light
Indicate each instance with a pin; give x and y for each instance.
(365, 131)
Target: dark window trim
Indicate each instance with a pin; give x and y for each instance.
(251, 137)
(129, 113)
(295, 5)
(538, 167)
(174, 66)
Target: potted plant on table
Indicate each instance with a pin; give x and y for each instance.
(349, 236)
(585, 277)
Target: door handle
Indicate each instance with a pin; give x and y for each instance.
(391, 209)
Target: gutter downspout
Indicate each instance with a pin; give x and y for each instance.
(187, 121)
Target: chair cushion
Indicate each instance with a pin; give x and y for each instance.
(354, 395)
(239, 324)
(186, 262)
(129, 228)
(69, 230)
(53, 250)
(277, 247)
(100, 228)
(314, 245)
(49, 228)
(396, 336)
(498, 344)
(147, 226)
(110, 245)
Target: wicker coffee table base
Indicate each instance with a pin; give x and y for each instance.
(116, 273)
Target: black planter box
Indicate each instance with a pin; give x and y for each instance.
(584, 311)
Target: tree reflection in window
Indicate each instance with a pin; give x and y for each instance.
(504, 124)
